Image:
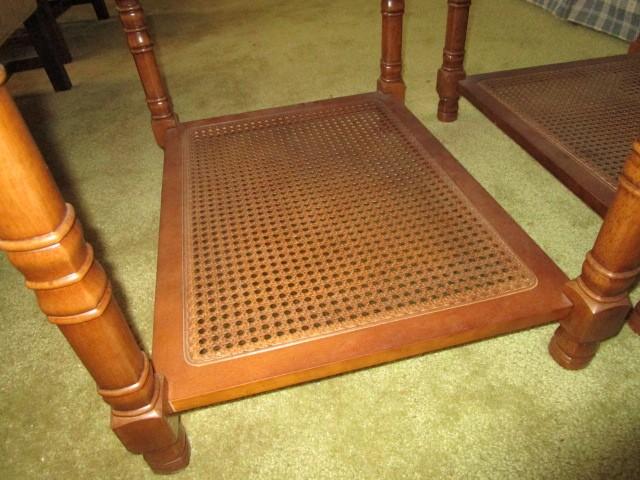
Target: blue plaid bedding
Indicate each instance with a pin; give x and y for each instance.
(620, 18)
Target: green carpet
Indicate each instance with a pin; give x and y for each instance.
(495, 409)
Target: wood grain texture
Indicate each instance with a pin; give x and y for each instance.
(600, 293)
(43, 239)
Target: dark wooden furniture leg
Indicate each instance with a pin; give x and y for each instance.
(44, 240)
(50, 45)
(600, 293)
(141, 47)
(634, 319)
(390, 80)
(98, 6)
(452, 70)
(61, 46)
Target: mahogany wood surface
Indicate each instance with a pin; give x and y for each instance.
(43, 239)
(634, 47)
(452, 70)
(600, 293)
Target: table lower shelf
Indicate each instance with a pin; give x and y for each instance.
(578, 119)
(306, 241)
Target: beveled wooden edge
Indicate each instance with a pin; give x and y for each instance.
(192, 386)
(584, 183)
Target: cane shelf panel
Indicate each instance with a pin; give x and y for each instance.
(316, 223)
(578, 119)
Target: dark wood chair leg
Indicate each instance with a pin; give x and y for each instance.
(43, 239)
(60, 44)
(452, 70)
(390, 80)
(50, 46)
(141, 47)
(600, 293)
(101, 9)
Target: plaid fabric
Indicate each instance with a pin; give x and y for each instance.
(620, 18)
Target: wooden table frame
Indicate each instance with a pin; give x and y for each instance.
(43, 239)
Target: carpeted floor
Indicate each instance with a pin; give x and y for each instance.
(496, 409)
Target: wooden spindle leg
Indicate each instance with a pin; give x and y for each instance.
(634, 319)
(634, 47)
(452, 70)
(390, 80)
(43, 239)
(141, 46)
(600, 293)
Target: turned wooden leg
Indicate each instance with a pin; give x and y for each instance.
(600, 293)
(390, 80)
(634, 47)
(141, 47)
(634, 319)
(452, 70)
(43, 239)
